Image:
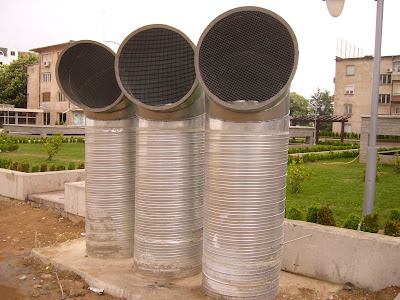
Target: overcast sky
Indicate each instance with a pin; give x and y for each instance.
(27, 24)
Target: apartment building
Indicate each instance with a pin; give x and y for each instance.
(8, 55)
(45, 94)
(353, 89)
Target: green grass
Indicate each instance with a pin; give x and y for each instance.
(342, 187)
(35, 154)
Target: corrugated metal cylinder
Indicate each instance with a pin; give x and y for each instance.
(155, 69)
(86, 76)
(245, 61)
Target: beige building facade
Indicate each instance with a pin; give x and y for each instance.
(353, 89)
(45, 94)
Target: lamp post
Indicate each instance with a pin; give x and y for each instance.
(335, 8)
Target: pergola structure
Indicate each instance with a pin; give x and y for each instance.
(319, 119)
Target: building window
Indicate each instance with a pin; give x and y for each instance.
(61, 97)
(46, 77)
(61, 118)
(12, 53)
(347, 128)
(396, 67)
(46, 118)
(396, 88)
(349, 89)
(384, 99)
(386, 79)
(46, 58)
(348, 109)
(78, 119)
(350, 70)
(46, 97)
(397, 111)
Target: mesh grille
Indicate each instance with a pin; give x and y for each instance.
(156, 66)
(248, 55)
(86, 74)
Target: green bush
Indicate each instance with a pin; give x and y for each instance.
(352, 221)
(296, 175)
(35, 168)
(53, 145)
(394, 215)
(43, 168)
(14, 166)
(370, 223)
(396, 164)
(392, 228)
(23, 167)
(60, 167)
(294, 214)
(325, 216)
(53, 167)
(80, 140)
(5, 163)
(71, 166)
(312, 213)
(81, 165)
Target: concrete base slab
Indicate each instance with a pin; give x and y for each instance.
(53, 200)
(117, 278)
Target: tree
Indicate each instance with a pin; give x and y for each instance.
(13, 80)
(298, 105)
(322, 102)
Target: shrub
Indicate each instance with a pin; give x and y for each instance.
(394, 215)
(352, 221)
(370, 223)
(396, 164)
(5, 163)
(43, 168)
(35, 168)
(71, 166)
(23, 167)
(60, 167)
(13, 166)
(296, 175)
(312, 213)
(53, 167)
(325, 216)
(81, 165)
(53, 145)
(392, 228)
(294, 214)
(80, 140)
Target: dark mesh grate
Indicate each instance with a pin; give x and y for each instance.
(86, 74)
(248, 55)
(156, 66)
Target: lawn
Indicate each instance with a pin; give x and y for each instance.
(35, 154)
(342, 187)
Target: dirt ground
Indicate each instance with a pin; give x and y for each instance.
(23, 227)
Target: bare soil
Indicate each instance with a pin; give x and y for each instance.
(22, 277)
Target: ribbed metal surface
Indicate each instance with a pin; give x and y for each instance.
(169, 197)
(244, 208)
(110, 188)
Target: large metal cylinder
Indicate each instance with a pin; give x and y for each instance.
(85, 74)
(245, 61)
(155, 69)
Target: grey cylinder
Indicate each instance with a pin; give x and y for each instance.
(155, 69)
(245, 61)
(85, 74)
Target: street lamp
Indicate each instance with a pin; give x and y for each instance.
(335, 7)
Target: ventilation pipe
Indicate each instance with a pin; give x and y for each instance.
(245, 61)
(155, 69)
(86, 76)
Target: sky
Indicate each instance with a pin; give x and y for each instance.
(28, 24)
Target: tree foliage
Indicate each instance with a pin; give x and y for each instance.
(322, 101)
(13, 80)
(298, 105)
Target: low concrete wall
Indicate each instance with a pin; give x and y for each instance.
(19, 185)
(302, 131)
(29, 130)
(367, 260)
(74, 201)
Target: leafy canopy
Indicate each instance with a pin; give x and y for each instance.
(13, 80)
